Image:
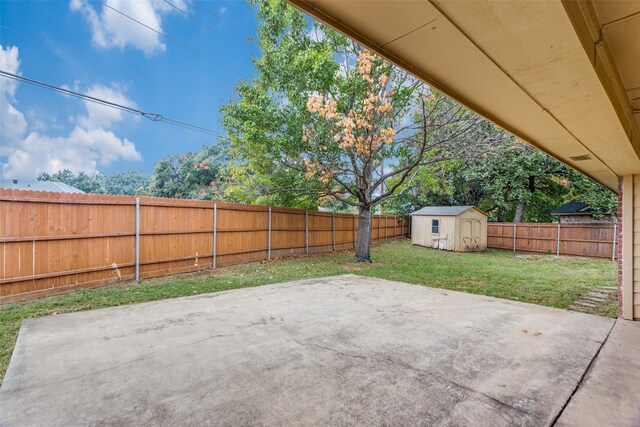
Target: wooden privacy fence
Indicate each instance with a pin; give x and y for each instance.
(55, 242)
(596, 241)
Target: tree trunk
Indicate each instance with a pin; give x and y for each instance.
(519, 212)
(363, 247)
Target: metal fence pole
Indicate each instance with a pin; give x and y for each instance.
(386, 227)
(379, 218)
(410, 221)
(333, 230)
(615, 233)
(395, 226)
(558, 243)
(306, 232)
(269, 236)
(137, 239)
(514, 237)
(215, 233)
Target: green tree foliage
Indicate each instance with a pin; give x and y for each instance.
(125, 183)
(268, 116)
(122, 183)
(323, 115)
(193, 175)
(516, 182)
(511, 181)
(600, 199)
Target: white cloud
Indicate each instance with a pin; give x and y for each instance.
(111, 29)
(42, 121)
(12, 121)
(81, 150)
(10, 63)
(222, 10)
(99, 115)
(89, 145)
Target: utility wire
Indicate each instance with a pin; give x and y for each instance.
(215, 15)
(212, 30)
(185, 46)
(151, 116)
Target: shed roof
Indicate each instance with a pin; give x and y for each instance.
(572, 208)
(443, 210)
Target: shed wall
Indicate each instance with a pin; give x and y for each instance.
(421, 232)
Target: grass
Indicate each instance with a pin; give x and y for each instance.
(538, 279)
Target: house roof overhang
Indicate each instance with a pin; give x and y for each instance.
(562, 75)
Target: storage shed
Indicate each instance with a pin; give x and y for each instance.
(451, 228)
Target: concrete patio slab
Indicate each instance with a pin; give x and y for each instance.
(345, 350)
(610, 392)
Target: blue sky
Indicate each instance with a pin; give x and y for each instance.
(86, 47)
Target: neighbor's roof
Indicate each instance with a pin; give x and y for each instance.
(443, 210)
(572, 208)
(54, 186)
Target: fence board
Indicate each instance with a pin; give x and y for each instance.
(56, 242)
(595, 241)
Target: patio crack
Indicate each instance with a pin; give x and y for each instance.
(407, 366)
(334, 350)
(456, 384)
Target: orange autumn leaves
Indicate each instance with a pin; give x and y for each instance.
(364, 129)
(314, 168)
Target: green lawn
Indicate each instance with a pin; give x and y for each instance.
(538, 279)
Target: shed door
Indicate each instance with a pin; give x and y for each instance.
(471, 229)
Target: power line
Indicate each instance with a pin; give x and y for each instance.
(183, 45)
(215, 15)
(212, 30)
(151, 116)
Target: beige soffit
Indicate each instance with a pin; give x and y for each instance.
(610, 33)
(520, 64)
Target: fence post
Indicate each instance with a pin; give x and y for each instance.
(333, 230)
(306, 232)
(558, 243)
(137, 239)
(410, 221)
(269, 236)
(386, 227)
(215, 233)
(395, 225)
(379, 221)
(514, 237)
(615, 232)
